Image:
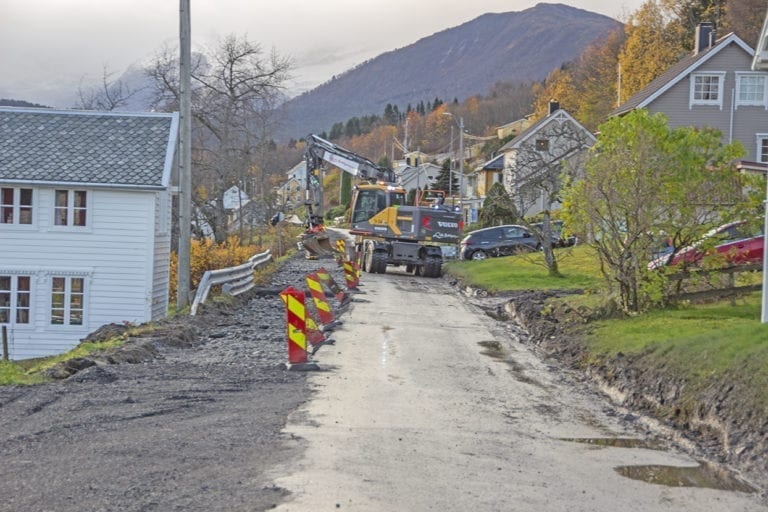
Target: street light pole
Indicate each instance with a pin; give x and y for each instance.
(760, 63)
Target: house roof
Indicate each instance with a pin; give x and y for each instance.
(494, 164)
(676, 73)
(558, 115)
(87, 148)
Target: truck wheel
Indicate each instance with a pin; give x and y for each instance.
(409, 268)
(433, 267)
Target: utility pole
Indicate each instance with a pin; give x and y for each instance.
(461, 164)
(450, 169)
(185, 156)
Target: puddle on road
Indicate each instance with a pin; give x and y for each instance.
(616, 442)
(704, 475)
(496, 350)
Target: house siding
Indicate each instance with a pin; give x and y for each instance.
(114, 253)
(161, 256)
(746, 121)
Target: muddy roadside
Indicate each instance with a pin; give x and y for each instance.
(718, 424)
(193, 423)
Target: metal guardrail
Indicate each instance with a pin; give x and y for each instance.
(233, 280)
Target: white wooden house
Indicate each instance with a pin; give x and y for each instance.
(533, 160)
(85, 223)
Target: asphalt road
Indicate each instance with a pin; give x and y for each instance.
(426, 403)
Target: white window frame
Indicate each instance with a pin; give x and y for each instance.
(67, 307)
(720, 76)
(70, 209)
(15, 294)
(16, 207)
(760, 139)
(762, 102)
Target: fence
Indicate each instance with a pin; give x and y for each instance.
(233, 280)
(731, 290)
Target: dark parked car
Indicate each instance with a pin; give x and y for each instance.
(735, 241)
(498, 241)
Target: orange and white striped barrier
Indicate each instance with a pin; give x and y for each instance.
(295, 315)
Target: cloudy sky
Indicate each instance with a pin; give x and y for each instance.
(48, 47)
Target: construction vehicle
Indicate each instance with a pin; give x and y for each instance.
(386, 230)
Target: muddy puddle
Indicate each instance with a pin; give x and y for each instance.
(704, 475)
(616, 442)
(496, 350)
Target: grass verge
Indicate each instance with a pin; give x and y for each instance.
(577, 266)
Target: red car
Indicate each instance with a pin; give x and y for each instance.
(735, 241)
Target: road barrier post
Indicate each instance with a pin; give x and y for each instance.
(321, 305)
(295, 314)
(330, 283)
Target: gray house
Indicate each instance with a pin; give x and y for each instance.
(716, 87)
(534, 160)
(85, 223)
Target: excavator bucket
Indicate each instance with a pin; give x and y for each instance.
(316, 244)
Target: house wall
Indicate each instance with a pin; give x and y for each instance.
(161, 263)
(744, 122)
(114, 254)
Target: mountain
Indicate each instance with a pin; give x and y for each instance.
(456, 63)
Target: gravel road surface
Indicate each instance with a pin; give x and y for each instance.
(423, 403)
(429, 404)
(191, 428)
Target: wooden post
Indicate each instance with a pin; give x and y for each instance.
(5, 343)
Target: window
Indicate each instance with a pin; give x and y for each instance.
(707, 89)
(67, 300)
(14, 299)
(750, 89)
(70, 208)
(762, 148)
(15, 205)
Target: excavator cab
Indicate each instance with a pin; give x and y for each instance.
(372, 199)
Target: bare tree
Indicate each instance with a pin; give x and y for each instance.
(235, 89)
(107, 95)
(535, 181)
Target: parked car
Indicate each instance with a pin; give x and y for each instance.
(736, 241)
(559, 239)
(497, 241)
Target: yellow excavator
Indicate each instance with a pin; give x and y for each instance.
(386, 230)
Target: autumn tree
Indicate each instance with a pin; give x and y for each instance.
(235, 88)
(650, 48)
(641, 178)
(745, 18)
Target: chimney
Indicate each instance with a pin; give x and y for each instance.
(554, 106)
(705, 36)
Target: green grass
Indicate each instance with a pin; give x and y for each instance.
(703, 345)
(577, 266)
(700, 344)
(32, 371)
